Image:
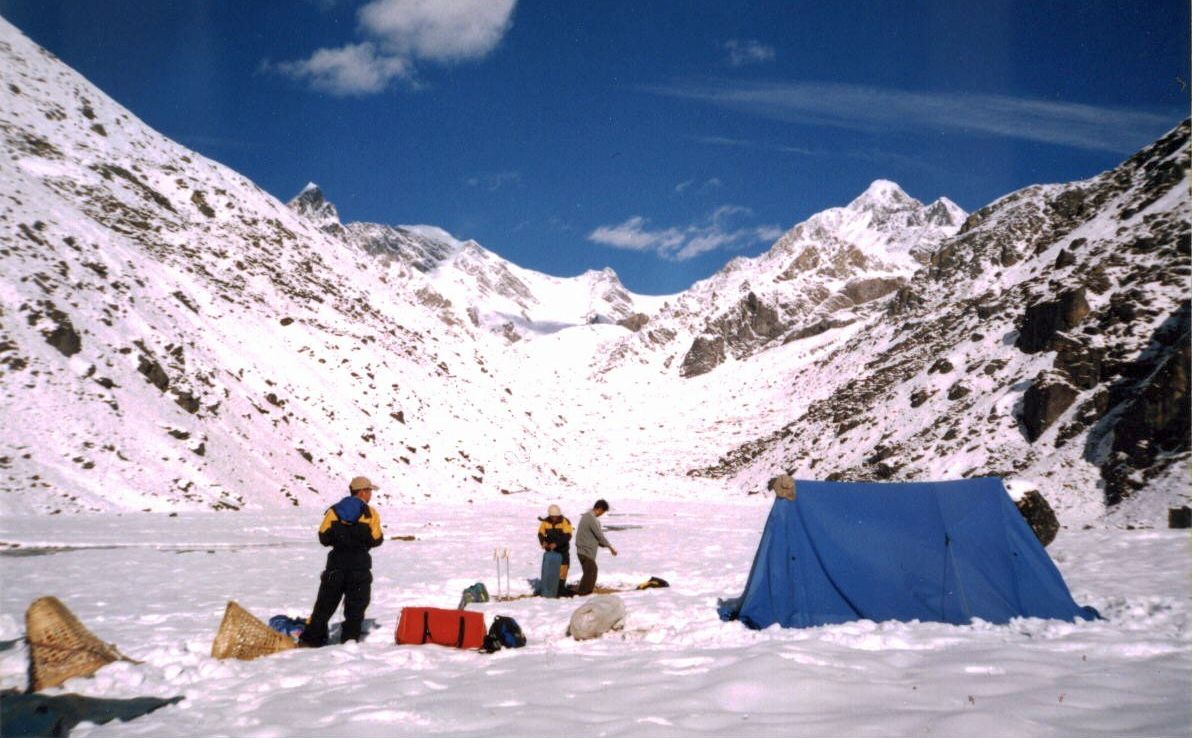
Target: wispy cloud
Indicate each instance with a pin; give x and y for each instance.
(874, 156)
(859, 107)
(397, 35)
(747, 51)
(493, 181)
(712, 183)
(680, 243)
(740, 143)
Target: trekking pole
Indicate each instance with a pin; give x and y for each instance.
(497, 558)
(504, 555)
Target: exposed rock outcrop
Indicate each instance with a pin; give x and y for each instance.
(1039, 516)
(706, 353)
(1044, 320)
(1044, 402)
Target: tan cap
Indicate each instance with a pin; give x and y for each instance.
(361, 483)
(553, 510)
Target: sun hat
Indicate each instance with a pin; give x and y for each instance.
(361, 483)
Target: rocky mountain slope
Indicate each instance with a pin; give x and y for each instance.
(824, 273)
(1048, 339)
(173, 337)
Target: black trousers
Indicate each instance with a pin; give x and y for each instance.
(587, 582)
(354, 586)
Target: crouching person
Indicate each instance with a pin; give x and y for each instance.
(351, 527)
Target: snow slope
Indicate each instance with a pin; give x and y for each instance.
(175, 337)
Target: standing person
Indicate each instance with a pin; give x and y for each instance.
(589, 537)
(351, 527)
(554, 534)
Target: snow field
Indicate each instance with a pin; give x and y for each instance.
(156, 586)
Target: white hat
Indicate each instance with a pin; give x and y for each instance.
(553, 510)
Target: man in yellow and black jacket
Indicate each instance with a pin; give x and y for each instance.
(351, 527)
(554, 534)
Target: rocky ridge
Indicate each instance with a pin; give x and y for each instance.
(1047, 338)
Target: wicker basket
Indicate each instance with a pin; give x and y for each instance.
(60, 647)
(242, 636)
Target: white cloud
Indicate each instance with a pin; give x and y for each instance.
(682, 243)
(749, 51)
(632, 235)
(438, 30)
(864, 108)
(355, 69)
(398, 34)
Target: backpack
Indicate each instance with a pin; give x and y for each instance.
(653, 582)
(285, 625)
(504, 632)
(476, 593)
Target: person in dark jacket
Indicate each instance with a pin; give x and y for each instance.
(351, 528)
(554, 534)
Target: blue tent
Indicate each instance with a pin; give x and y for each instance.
(940, 551)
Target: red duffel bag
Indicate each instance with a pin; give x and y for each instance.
(455, 628)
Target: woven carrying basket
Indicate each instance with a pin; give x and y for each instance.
(60, 647)
(242, 636)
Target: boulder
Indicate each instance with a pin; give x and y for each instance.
(704, 355)
(65, 338)
(1044, 402)
(1079, 360)
(634, 322)
(867, 290)
(1039, 516)
(1179, 517)
(1043, 321)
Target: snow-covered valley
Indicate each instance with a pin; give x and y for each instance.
(675, 669)
(175, 338)
(191, 370)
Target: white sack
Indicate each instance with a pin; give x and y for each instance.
(597, 616)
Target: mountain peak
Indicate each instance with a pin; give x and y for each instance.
(883, 194)
(312, 205)
(945, 213)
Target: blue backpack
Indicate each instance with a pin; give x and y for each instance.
(285, 625)
(504, 633)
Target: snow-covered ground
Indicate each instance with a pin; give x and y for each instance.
(156, 586)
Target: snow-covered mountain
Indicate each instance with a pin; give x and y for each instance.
(819, 275)
(172, 336)
(1048, 339)
(466, 282)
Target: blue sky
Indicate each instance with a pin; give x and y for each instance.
(658, 138)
